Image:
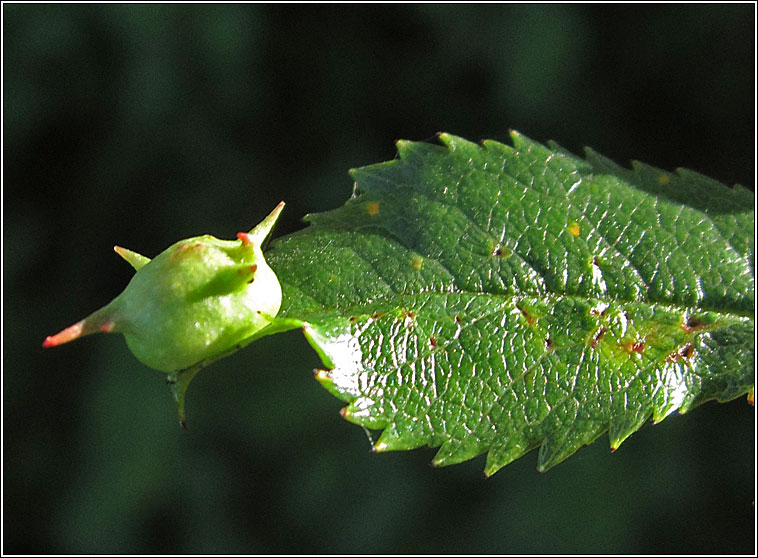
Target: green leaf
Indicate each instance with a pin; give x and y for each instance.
(487, 298)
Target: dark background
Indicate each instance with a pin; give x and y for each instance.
(139, 125)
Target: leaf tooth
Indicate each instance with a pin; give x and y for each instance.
(554, 450)
(690, 401)
(324, 377)
(455, 143)
(499, 148)
(661, 412)
(454, 451)
(405, 149)
(551, 453)
(521, 143)
(361, 411)
(603, 164)
(418, 153)
(501, 455)
(624, 423)
(396, 438)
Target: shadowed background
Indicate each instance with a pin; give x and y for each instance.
(139, 125)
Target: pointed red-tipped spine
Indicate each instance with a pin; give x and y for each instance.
(263, 229)
(100, 321)
(68, 334)
(245, 238)
(137, 261)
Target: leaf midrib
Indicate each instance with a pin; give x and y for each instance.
(542, 295)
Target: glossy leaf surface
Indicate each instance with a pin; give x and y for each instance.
(488, 298)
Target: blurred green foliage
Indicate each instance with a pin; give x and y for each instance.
(139, 125)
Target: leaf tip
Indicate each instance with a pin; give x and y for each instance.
(380, 447)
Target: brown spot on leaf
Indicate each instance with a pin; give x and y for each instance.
(637, 347)
(598, 337)
(549, 345)
(500, 252)
(527, 316)
(433, 341)
(684, 352)
(693, 323)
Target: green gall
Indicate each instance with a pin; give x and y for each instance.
(197, 301)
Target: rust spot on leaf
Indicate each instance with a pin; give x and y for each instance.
(632, 347)
(417, 263)
(529, 318)
(693, 323)
(598, 312)
(598, 337)
(684, 352)
(573, 229)
(372, 208)
(637, 347)
(377, 315)
(500, 252)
